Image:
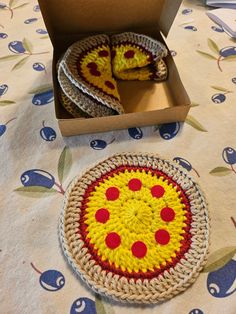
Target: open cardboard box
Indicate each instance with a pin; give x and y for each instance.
(145, 103)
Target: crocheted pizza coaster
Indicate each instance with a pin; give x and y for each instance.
(138, 57)
(87, 64)
(85, 103)
(135, 228)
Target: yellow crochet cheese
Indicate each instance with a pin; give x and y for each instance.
(131, 63)
(135, 216)
(96, 69)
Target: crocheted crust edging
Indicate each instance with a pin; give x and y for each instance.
(85, 102)
(157, 289)
(71, 107)
(161, 71)
(69, 65)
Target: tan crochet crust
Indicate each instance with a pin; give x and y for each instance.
(167, 284)
(162, 71)
(72, 108)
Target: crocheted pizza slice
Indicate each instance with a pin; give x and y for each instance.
(87, 64)
(135, 227)
(138, 57)
(73, 97)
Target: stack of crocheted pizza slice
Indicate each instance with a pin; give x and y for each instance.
(85, 72)
(85, 77)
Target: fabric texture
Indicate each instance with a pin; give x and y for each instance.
(37, 164)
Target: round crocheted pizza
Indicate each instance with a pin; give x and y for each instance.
(135, 228)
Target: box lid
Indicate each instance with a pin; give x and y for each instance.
(73, 17)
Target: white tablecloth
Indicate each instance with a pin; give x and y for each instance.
(30, 254)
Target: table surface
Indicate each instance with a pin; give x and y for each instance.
(30, 140)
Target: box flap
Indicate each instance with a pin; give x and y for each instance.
(75, 17)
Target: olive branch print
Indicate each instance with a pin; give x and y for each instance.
(220, 54)
(12, 6)
(40, 183)
(20, 49)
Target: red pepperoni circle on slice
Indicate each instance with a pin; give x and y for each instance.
(113, 240)
(135, 185)
(110, 85)
(92, 65)
(103, 53)
(139, 249)
(167, 214)
(112, 193)
(95, 72)
(129, 54)
(162, 237)
(157, 191)
(102, 215)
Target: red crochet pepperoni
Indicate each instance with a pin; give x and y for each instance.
(162, 237)
(113, 240)
(167, 214)
(103, 53)
(157, 191)
(112, 193)
(135, 185)
(129, 54)
(102, 215)
(92, 65)
(110, 85)
(95, 72)
(139, 249)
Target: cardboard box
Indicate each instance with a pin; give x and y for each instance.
(145, 103)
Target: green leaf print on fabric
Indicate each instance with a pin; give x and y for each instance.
(6, 102)
(194, 104)
(195, 124)
(41, 89)
(27, 45)
(12, 2)
(223, 54)
(11, 6)
(100, 309)
(64, 164)
(35, 191)
(207, 55)
(19, 64)
(103, 306)
(20, 49)
(220, 171)
(7, 58)
(219, 258)
(213, 46)
(222, 89)
(20, 6)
